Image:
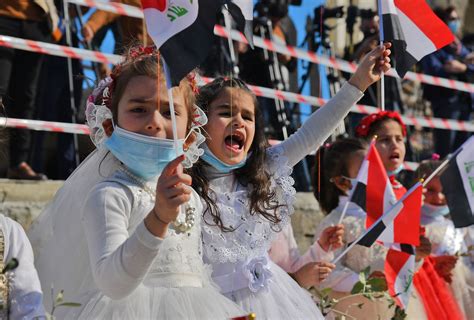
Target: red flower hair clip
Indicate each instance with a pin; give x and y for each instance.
(192, 82)
(139, 51)
(363, 129)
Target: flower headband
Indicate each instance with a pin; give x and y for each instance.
(362, 130)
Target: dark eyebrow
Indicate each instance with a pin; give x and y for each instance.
(140, 100)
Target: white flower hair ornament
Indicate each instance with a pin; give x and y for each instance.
(96, 114)
(193, 152)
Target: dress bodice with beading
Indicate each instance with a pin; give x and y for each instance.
(253, 234)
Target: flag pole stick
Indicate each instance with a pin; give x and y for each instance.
(171, 104)
(441, 167)
(386, 214)
(382, 75)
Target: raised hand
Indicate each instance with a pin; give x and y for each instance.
(331, 238)
(172, 190)
(371, 67)
(313, 273)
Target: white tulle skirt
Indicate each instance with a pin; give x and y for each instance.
(284, 299)
(159, 303)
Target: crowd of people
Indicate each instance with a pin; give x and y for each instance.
(150, 228)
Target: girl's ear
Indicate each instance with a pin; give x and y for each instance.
(341, 183)
(108, 127)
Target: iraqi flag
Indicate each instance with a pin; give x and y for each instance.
(414, 31)
(399, 271)
(383, 230)
(183, 30)
(374, 194)
(458, 185)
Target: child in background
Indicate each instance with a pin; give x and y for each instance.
(143, 257)
(391, 133)
(20, 290)
(334, 177)
(248, 193)
(446, 241)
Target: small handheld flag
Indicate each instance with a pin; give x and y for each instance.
(458, 185)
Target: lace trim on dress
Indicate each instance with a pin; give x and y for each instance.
(253, 234)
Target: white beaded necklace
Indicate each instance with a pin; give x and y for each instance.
(179, 225)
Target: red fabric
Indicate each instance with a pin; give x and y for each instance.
(376, 184)
(420, 13)
(435, 295)
(407, 223)
(363, 128)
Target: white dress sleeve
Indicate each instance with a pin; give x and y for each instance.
(119, 260)
(319, 126)
(26, 298)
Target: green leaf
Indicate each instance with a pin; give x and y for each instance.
(326, 291)
(11, 265)
(366, 272)
(358, 288)
(69, 304)
(362, 278)
(377, 284)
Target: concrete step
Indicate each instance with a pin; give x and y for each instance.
(23, 200)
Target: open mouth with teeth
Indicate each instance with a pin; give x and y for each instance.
(235, 142)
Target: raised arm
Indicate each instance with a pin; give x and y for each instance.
(322, 123)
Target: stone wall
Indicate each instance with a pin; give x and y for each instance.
(24, 200)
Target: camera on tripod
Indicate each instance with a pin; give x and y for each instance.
(319, 26)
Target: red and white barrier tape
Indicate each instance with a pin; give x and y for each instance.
(57, 50)
(76, 53)
(39, 125)
(335, 63)
(62, 127)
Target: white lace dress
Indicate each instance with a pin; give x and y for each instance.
(135, 275)
(241, 266)
(447, 240)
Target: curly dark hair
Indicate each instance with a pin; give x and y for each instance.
(251, 175)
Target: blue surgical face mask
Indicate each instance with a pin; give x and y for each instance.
(429, 210)
(454, 25)
(218, 164)
(143, 155)
(396, 171)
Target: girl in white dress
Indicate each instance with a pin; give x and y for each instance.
(248, 191)
(446, 241)
(143, 257)
(20, 289)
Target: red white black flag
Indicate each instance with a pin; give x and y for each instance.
(414, 30)
(183, 30)
(374, 194)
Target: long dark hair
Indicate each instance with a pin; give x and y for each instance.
(333, 161)
(250, 175)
